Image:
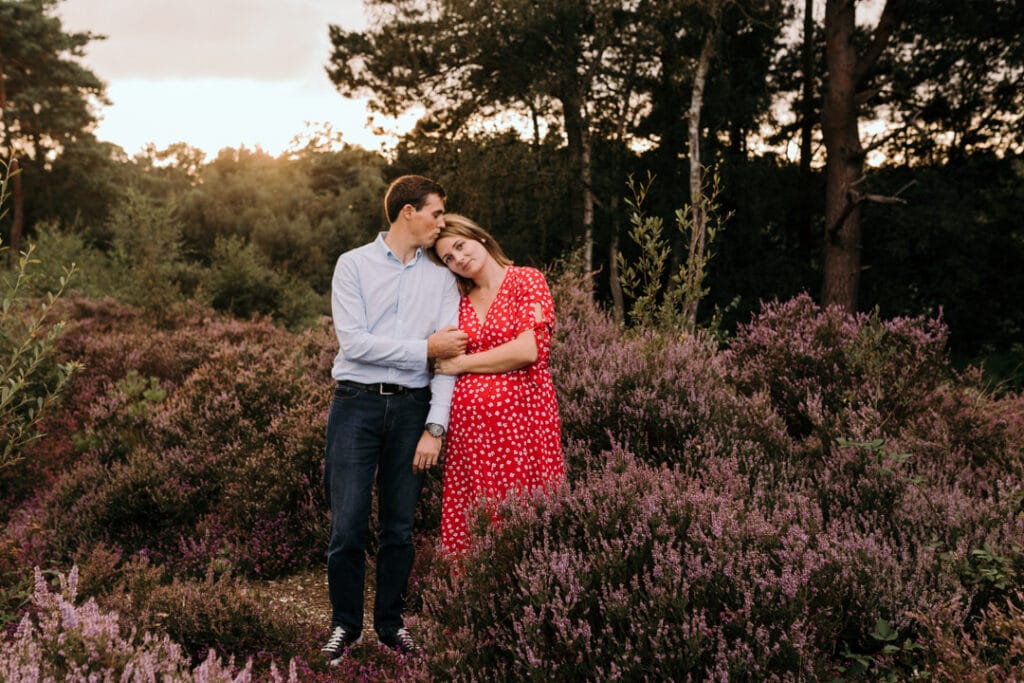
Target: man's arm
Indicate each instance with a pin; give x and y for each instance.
(428, 450)
(512, 355)
(356, 342)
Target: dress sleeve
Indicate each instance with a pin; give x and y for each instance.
(535, 310)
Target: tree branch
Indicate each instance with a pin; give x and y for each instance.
(857, 198)
(887, 25)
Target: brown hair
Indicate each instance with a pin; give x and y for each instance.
(457, 225)
(409, 189)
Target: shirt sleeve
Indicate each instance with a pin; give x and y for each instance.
(443, 386)
(535, 310)
(352, 328)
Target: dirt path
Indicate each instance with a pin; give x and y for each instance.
(306, 593)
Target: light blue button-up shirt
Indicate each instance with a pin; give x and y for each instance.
(384, 310)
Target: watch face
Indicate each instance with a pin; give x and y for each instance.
(435, 430)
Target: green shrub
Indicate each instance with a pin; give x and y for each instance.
(242, 282)
(31, 378)
(146, 265)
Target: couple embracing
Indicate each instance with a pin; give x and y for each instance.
(443, 342)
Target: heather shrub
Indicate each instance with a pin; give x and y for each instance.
(207, 457)
(60, 640)
(672, 581)
(711, 579)
(821, 366)
(221, 612)
(992, 650)
(788, 506)
(883, 432)
(664, 398)
(831, 479)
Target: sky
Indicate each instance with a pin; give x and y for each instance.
(220, 73)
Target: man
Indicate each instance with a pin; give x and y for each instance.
(394, 311)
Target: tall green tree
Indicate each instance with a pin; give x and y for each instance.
(946, 82)
(850, 70)
(575, 64)
(595, 71)
(956, 82)
(47, 98)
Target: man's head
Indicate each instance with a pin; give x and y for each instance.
(413, 190)
(415, 209)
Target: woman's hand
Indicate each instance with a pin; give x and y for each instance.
(450, 366)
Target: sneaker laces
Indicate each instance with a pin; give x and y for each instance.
(336, 640)
(405, 638)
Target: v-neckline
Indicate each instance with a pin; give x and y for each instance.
(481, 322)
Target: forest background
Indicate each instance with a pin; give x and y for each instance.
(877, 168)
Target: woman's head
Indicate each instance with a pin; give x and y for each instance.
(458, 226)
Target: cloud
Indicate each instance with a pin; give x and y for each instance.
(220, 73)
(272, 40)
(214, 113)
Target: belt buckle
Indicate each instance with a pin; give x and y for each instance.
(380, 390)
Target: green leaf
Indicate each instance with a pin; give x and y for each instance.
(883, 631)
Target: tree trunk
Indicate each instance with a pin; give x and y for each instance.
(586, 177)
(618, 301)
(845, 158)
(804, 236)
(17, 191)
(17, 210)
(538, 160)
(699, 226)
(579, 156)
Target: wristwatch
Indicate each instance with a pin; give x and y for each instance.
(434, 429)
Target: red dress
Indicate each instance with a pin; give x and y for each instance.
(504, 434)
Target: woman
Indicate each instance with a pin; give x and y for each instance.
(504, 435)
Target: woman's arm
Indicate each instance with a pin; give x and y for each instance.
(512, 355)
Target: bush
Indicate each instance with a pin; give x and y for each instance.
(203, 445)
(55, 249)
(65, 641)
(665, 399)
(821, 367)
(220, 612)
(671, 582)
(31, 378)
(830, 480)
(993, 650)
(822, 497)
(146, 264)
(241, 281)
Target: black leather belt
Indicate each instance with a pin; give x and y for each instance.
(382, 388)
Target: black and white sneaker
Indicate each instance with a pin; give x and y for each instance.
(400, 641)
(339, 641)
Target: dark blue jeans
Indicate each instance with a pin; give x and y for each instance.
(371, 434)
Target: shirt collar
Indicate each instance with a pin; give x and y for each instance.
(391, 255)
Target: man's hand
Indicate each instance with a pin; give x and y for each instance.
(447, 342)
(428, 450)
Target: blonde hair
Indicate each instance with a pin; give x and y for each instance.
(457, 225)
